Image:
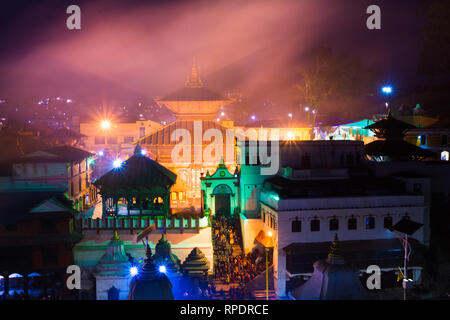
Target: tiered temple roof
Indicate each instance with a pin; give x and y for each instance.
(391, 144)
(137, 172)
(114, 261)
(194, 100)
(195, 264)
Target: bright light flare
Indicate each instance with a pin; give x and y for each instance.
(101, 153)
(290, 135)
(162, 269)
(117, 163)
(105, 124)
(270, 233)
(134, 271)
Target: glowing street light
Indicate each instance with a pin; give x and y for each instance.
(222, 113)
(290, 135)
(117, 163)
(306, 109)
(290, 115)
(253, 117)
(134, 271)
(162, 269)
(105, 124)
(143, 152)
(101, 153)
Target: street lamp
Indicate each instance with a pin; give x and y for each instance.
(268, 245)
(117, 163)
(105, 124)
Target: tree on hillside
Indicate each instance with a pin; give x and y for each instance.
(333, 77)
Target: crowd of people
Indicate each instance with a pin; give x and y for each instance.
(229, 266)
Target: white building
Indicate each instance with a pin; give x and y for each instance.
(301, 214)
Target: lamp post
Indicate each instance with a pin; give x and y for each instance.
(387, 91)
(267, 273)
(267, 249)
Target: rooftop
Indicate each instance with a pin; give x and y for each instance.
(60, 154)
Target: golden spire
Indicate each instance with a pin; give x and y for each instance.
(194, 81)
(115, 236)
(335, 253)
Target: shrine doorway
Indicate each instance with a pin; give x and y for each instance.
(222, 200)
(113, 293)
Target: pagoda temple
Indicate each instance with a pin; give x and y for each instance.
(195, 107)
(391, 145)
(140, 186)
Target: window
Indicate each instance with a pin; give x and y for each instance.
(112, 140)
(315, 225)
(388, 222)
(296, 226)
(99, 140)
(334, 224)
(352, 223)
(370, 223)
(128, 139)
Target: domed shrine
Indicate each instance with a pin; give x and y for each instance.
(150, 283)
(332, 279)
(195, 107)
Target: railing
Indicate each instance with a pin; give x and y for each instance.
(137, 224)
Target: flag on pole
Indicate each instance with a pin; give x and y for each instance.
(400, 275)
(144, 233)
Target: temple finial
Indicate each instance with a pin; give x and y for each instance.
(194, 81)
(335, 252)
(115, 236)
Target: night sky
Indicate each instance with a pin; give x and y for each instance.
(135, 49)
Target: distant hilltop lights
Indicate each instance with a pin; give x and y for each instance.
(387, 89)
